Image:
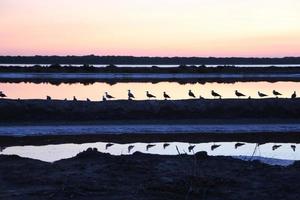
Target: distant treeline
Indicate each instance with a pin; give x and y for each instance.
(92, 59)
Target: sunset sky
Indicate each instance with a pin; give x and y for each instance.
(150, 27)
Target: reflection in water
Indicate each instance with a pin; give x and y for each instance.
(173, 89)
(287, 153)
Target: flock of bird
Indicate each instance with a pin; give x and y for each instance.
(191, 147)
(166, 96)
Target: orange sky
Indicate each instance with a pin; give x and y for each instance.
(150, 27)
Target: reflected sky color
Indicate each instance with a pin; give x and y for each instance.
(119, 91)
(51, 153)
(144, 27)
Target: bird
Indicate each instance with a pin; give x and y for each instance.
(166, 145)
(108, 96)
(238, 94)
(2, 95)
(238, 144)
(261, 94)
(166, 96)
(214, 94)
(108, 145)
(274, 147)
(88, 100)
(103, 98)
(191, 147)
(201, 97)
(275, 93)
(48, 98)
(150, 95)
(74, 98)
(293, 147)
(294, 95)
(130, 95)
(213, 147)
(130, 147)
(150, 146)
(191, 94)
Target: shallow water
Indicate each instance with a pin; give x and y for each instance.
(284, 155)
(104, 65)
(175, 90)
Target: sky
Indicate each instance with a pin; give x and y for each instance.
(221, 28)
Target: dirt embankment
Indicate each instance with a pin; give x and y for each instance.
(93, 175)
(82, 111)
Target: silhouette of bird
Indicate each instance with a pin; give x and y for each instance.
(293, 147)
(213, 147)
(74, 98)
(150, 95)
(276, 146)
(238, 144)
(294, 95)
(108, 145)
(65, 99)
(130, 147)
(238, 94)
(2, 95)
(191, 147)
(191, 94)
(201, 97)
(275, 93)
(88, 100)
(108, 96)
(150, 146)
(261, 94)
(48, 98)
(166, 96)
(103, 98)
(166, 145)
(130, 95)
(214, 94)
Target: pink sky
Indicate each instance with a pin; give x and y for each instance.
(150, 27)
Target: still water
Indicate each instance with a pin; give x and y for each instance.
(175, 90)
(284, 154)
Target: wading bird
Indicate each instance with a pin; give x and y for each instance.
(276, 146)
(108, 96)
(2, 95)
(103, 98)
(150, 146)
(74, 98)
(166, 145)
(130, 147)
(88, 100)
(293, 147)
(261, 94)
(201, 97)
(275, 93)
(191, 147)
(214, 94)
(238, 94)
(238, 144)
(294, 95)
(108, 145)
(48, 98)
(191, 94)
(150, 95)
(166, 96)
(213, 147)
(130, 95)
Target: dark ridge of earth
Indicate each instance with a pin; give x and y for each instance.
(93, 175)
(22, 111)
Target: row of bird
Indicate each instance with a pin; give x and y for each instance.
(192, 95)
(166, 96)
(191, 147)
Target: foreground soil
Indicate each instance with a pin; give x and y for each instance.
(93, 175)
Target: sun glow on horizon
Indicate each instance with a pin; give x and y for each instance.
(150, 28)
